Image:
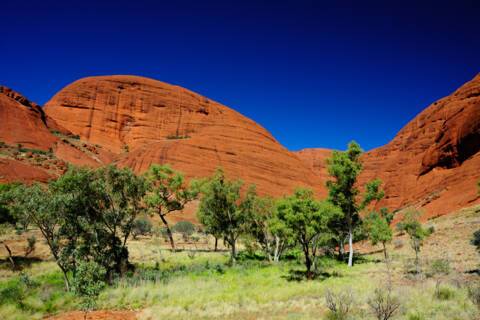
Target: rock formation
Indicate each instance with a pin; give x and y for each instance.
(145, 121)
(33, 147)
(433, 163)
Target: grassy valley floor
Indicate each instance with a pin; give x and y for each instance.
(198, 284)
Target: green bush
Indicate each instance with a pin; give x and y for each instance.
(184, 227)
(141, 227)
(440, 266)
(444, 293)
(474, 294)
(88, 282)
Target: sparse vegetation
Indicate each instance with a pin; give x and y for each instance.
(199, 283)
(167, 193)
(384, 304)
(416, 232)
(344, 168)
(340, 304)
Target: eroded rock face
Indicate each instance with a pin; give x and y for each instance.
(23, 122)
(34, 147)
(145, 121)
(434, 162)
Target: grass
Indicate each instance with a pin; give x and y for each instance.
(198, 284)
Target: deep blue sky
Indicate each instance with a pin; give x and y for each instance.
(314, 73)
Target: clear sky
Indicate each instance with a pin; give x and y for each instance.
(314, 73)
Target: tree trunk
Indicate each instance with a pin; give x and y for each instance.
(417, 263)
(276, 254)
(216, 244)
(233, 249)
(350, 246)
(341, 248)
(169, 232)
(308, 264)
(65, 280)
(10, 256)
(385, 251)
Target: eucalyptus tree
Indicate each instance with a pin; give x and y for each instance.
(167, 193)
(308, 221)
(344, 167)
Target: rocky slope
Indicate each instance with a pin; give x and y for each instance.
(434, 161)
(33, 147)
(144, 121)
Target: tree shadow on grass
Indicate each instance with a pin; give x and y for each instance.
(301, 275)
(20, 263)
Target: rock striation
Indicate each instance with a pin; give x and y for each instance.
(433, 163)
(144, 121)
(33, 146)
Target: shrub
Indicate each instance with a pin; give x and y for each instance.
(443, 293)
(141, 227)
(440, 266)
(184, 227)
(383, 304)
(340, 304)
(88, 282)
(474, 294)
(31, 241)
(398, 243)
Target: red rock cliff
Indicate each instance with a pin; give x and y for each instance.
(434, 161)
(145, 121)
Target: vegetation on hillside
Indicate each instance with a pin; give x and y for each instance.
(107, 251)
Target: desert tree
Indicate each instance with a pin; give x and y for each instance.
(416, 232)
(344, 167)
(85, 215)
(267, 229)
(307, 220)
(223, 211)
(37, 204)
(7, 219)
(88, 283)
(167, 192)
(378, 228)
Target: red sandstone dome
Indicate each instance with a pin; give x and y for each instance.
(145, 121)
(32, 147)
(434, 161)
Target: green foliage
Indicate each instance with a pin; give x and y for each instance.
(440, 266)
(444, 293)
(307, 221)
(184, 227)
(88, 283)
(84, 215)
(267, 229)
(222, 210)
(167, 192)
(344, 168)
(416, 232)
(141, 227)
(378, 229)
(474, 294)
